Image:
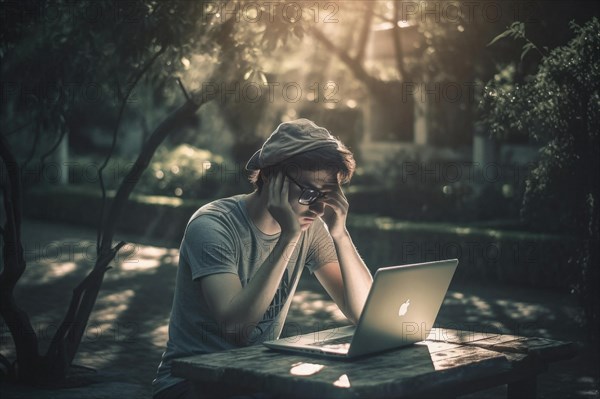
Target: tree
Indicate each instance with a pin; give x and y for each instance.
(110, 45)
(559, 107)
(425, 48)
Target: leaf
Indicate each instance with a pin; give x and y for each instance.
(517, 27)
(263, 78)
(249, 74)
(500, 36)
(526, 48)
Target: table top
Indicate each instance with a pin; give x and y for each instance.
(448, 362)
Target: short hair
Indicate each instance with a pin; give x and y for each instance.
(338, 160)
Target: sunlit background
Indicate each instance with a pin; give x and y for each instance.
(465, 119)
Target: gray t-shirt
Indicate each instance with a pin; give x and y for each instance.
(221, 238)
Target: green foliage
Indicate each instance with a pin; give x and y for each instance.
(410, 186)
(559, 106)
(516, 30)
(54, 53)
(187, 172)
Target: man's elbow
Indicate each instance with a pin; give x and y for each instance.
(239, 328)
(238, 333)
(353, 317)
(233, 329)
(353, 313)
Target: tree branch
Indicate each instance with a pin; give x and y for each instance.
(136, 79)
(353, 64)
(66, 341)
(378, 88)
(398, 51)
(173, 121)
(67, 338)
(364, 35)
(185, 94)
(16, 129)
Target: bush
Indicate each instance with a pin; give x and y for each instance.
(394, 189)
(559, 106)
(191, 173)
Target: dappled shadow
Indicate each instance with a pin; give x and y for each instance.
(511, 310)
(500, 309)
(137, 331)
(127, 330)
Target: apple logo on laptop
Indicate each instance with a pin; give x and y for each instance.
(404, 308)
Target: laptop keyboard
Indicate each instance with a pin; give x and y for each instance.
(334, 341)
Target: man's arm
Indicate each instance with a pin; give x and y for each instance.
(349, 281)
(236, 307)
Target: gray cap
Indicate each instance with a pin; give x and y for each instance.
(289, 139)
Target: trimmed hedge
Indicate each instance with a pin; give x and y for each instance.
(514, 257)
(159, 217)
(523, 258)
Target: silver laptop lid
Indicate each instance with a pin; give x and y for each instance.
(402, 305)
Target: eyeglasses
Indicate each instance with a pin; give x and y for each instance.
(308, 196)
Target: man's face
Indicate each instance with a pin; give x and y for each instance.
(320, 180)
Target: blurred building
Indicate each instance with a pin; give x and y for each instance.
(423, 116)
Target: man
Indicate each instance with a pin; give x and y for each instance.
(241, 257)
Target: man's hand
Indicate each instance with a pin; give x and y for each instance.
(279, 206)
(335, 213)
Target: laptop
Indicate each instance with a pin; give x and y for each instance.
(400, 310)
